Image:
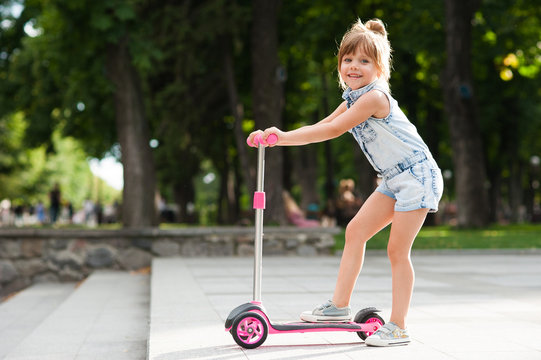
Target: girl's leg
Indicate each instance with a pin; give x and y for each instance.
(405, 227)
(376, 213)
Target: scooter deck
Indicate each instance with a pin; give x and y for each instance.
(302, 326)
(331, 326)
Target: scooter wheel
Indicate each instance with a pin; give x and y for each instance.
(367, 319)
(249, 330)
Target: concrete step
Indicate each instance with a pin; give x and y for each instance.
(105, 318)
(180, 312)
(22, 313)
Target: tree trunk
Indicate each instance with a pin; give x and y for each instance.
(516, 194)
(248, 173)
(471, 194)
(138, 204)
(306, 171)
(227, 201)
(495, 196)
(267, 89)
(530, 192)
(184, 195)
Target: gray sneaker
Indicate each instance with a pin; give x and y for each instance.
(388, 335)
(327, 312)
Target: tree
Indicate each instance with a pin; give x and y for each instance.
(80, 72)
(268, 76)
(187, 93)
(138, 208)
(506, 64)
(460, 106)
(189, 60)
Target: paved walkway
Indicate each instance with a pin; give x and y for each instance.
(106, 317)
(18, 319)
(465, 306)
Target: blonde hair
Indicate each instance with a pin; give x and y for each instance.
(371, 38)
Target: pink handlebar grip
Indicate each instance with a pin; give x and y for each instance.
(271, 140)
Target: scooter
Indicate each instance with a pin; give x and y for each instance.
(248, 323)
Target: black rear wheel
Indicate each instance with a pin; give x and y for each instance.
(370, 318)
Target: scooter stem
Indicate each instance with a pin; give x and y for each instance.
(259, 206)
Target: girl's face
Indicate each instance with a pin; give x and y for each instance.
(358, 70)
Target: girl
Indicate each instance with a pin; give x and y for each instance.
(411, 182)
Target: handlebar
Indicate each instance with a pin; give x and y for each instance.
(258, 140)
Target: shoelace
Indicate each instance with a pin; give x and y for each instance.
(383, 330)
(325, 306)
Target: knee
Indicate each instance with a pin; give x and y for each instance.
(398, 254)
(355, 234)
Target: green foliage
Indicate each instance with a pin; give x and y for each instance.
(38, 170)
(12, 130)
(186, 96)
(55, 87)
(506, 37)
(507, 59)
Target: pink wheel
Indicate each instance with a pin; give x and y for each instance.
(249, 330)
(369, 319)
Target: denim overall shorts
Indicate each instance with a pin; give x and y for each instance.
(395, 150)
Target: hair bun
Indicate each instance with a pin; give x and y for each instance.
(376, 25)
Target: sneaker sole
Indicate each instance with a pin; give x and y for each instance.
(383, 343)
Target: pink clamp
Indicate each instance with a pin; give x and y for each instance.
(259, 200)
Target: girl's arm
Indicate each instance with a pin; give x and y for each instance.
(340, 121)
(339, 110)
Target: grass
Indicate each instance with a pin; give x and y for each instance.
(445, 237)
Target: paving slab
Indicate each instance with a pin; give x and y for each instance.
(105, 318)
(23, 312)
(466, 305)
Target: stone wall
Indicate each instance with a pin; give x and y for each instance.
(42, 255)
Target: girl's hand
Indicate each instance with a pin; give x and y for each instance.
(264, 135)
(250, 139)
(273, 131)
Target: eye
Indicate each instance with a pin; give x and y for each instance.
(347, 60)
(365, 61)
